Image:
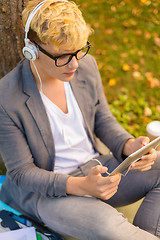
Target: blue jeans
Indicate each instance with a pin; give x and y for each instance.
(94, 219)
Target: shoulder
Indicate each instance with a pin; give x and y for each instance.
(88, 62)
(88, 67)
(88, 70)
(11, 75)
(11, 83)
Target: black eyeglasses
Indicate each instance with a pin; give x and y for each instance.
(64, 59)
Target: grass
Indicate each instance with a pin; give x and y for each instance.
(126, 45)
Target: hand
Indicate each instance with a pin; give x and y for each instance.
(94, 184)
(101, 187)
(147, 160)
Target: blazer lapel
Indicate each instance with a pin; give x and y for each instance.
(36, 107)
(79, 88)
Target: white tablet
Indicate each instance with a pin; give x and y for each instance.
(135, 156)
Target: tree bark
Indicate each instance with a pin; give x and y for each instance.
(11, 40)
(11, 34)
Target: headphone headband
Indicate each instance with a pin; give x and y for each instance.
(33, 13)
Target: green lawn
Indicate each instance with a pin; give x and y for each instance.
(126, 45)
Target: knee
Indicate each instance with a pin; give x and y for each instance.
(109, 228)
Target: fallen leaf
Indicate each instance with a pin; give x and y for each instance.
(135, 67)
(3, 10)
(146, 2)
(137, 75)
(109, 31)
(138, 32)
(157, 41)
(115, 47)
(126, 67)
(147, 112)
(145, 120)
(124, 55)
(158, 108)
(112, 82)
(147, 35)
(113, 8)
(153, 82)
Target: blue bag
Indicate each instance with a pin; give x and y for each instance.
(10, 219)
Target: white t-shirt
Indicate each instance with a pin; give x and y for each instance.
(72, 145)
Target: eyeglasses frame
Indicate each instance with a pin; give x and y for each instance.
(55, 58)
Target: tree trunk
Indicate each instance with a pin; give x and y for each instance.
(11, 34)
(11, 40)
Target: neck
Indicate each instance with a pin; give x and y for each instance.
(41, 80)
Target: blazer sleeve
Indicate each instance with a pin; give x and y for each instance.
(20, 163)
(107, 129)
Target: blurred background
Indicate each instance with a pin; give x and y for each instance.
(126, 45)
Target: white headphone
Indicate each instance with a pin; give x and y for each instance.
(30, 51)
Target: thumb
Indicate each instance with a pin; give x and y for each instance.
(98, 169)
(145, 141)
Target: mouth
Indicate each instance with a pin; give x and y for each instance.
(69, 74)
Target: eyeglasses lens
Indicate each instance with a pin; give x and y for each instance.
(63, 60)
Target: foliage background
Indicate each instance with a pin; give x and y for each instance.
(126, 45)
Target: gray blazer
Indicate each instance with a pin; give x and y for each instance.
(26, 141)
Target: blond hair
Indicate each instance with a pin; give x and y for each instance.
(59, 23)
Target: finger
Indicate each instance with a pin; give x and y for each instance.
(145, 169)
(98, 169)
(110, 179)
(108, 187)
(143, 140)
(108, 194)
(141, 164)
(138, 166)
(151, 155)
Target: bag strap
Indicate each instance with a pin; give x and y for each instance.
(8, 220)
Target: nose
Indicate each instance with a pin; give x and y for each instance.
(74, 63)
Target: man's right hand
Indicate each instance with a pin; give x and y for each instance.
(94, 184)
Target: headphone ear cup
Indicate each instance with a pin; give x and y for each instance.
(30, 52)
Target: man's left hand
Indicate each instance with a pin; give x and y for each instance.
(146, 161)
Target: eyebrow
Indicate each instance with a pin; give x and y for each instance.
(51, 55)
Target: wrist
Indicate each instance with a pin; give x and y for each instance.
(75, 186)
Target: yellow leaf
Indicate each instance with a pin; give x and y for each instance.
(146, 2)
(3, 10)
(126, 67)
(112, 82)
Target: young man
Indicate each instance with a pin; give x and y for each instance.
(51, 107)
